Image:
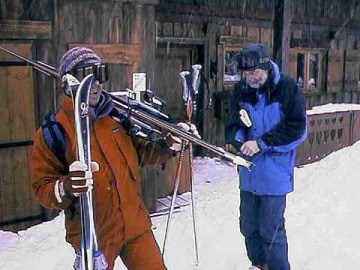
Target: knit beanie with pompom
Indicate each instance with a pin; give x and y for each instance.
(77, 57)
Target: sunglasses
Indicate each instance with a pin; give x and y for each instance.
(100, 71)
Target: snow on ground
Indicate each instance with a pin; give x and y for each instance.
(323, 213)
(322, 222)
(331, 107)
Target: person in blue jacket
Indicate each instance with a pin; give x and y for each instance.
(267, 123)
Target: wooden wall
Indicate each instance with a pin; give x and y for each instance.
(330, 25)
(109, 22)
(17, 126)
(85, 22)
(222, 24)
(24, 28)
(52, 27)
(202, 30)
(334, 27)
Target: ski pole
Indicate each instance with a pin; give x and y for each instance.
(189, 110)
(176, 187)
(189, 92)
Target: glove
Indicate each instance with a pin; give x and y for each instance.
(189, 128)
(78, 181)
(244, 117)
(174, 142)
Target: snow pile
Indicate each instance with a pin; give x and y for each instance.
(330, 108)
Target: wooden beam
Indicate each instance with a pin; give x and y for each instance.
(350, 23)
(207, 12)
(13, 29)
(174, 40)
(236, 40)
(282, 25)
(179, 12)
(149, 2)
(307, 43)
(286, 34)
(126, 54)
(197, 19)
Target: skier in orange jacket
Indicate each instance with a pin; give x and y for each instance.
(122, 222)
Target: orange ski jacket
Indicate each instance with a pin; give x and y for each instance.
(118, 204)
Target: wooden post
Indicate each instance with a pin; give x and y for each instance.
(282, 33)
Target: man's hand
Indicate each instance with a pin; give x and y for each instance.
(78, 181)
(189, 128)
(250, 148)
(174, 142)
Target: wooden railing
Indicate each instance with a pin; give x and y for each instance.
(328, 132)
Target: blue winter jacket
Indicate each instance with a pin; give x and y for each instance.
(278, 114)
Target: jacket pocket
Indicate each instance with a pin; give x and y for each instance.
(282, 161)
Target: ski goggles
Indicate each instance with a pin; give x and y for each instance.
(100, 71)
(249, 60)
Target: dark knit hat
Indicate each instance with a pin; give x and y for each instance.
(254, 56)
(77, 56)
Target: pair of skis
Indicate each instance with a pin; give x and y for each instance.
(89, 257)
(150, 119)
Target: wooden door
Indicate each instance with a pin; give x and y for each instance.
(170, 61)
(18, 206)
(158, 181)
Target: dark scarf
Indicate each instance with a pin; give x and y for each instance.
(104, 107)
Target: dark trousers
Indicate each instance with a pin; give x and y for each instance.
(263, 225)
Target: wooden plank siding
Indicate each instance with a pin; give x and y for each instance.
(158, 181)
(335, 70)
(125, 54)
(126, 24)
(17, 97)
(352, 70)
(14, 29)
(312, 24)
(185, 31)
(129, 29)
(17, 127)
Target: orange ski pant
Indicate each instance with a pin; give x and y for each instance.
(141, 253)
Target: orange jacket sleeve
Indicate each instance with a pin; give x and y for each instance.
(46, 169)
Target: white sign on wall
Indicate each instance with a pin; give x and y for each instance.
(139, 84)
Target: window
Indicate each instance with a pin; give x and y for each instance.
(227, 49)
(231, 74)
(306, 68)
